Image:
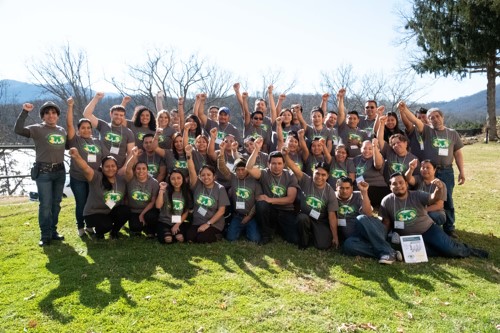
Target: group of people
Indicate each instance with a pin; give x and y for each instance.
(198, 179)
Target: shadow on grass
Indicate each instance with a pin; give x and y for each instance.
(178, 265)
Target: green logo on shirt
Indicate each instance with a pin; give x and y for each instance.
(338, 173)
(406, 215)
(398, 167)
(140, 196)
(91, 149)
(161, 138)
(180, 164)
(112, 196)
(205, 200)
(113, 137)
(360, 170)
(440, 143)
(140, 136)
(354, 136)
(221, 135)
(243, 193)
(56, 139)
(346, 210)
(152, 169)
(178, 205)
(278, 190)
(191, 140)
(314, 203)
(264, 127)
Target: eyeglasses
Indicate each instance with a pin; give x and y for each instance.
(369, 107)
(257, 118)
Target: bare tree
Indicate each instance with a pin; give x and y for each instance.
(64, 72)
(341, 77)
(275, 78)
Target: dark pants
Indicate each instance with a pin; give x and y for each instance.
(438, 243)
(211, 235)
(269, 218)
(150, 222)
(50, 187)
(80, 190)
(111, 222)
(317, 231)
(163, 230)
(447, 176)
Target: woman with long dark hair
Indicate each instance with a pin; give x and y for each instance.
(143, 122)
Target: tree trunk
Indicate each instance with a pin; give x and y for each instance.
(491, 118)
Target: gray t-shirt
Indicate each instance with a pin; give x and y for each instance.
(139, 195)
(311, 133)
(395, 163)
(243, 193)
(165, 139)
(440, 145)
(420, 185)
(366, 125)
(339, 170)
(410, 210)
(154, 162)
(115, 137)
(261, 161)
(178, 203)
(311, 162)
(207, 202)
(256, 132)
(139, 132)
(349, 210)
(174, 163)
(321, 200)
(346, 133)
(277, 186)
(99, 196)
(365, 168)
(91, 150)
(223, 130)
(49, 141)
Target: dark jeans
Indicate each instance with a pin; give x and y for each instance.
(112, 222)
(369, 239)
(50, 190)
(269, 218)
(317, 231)
(236, 228)
(438, 243)
(163, 230)
(211, 235)
(80, 190)
(150, 219)
(447, 176)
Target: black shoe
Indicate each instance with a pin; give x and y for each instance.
(114, 235)
(452, 234)
(99, 236)
(44, 242)
(479, 253)
(265, 240)
(57, 237)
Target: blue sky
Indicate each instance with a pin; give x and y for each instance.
(300, 38)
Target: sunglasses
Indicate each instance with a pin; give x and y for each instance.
(257, 118)
(369, 107)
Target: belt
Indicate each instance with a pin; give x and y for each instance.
(439, 166)
(239, 214)
(49, 167)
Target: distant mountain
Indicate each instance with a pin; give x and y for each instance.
(471, 107)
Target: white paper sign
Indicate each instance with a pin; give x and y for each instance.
(114, 150)
(413, 249)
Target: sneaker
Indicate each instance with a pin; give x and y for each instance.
(387, 259)
(395, 238)
(90, 231)
(399, 256)
(81, 232)
(479, 253)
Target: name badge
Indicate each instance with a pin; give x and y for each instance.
(443, 151)
(218, 141)
(110, 203)
(360, 179)
(354, 147)
(421, 146)
(176, 219)
(342, 223)
(230, 166)
(314, 214)
(399, 225)
(202, 211)
(240, 205)
(91, 158)
(114, 150)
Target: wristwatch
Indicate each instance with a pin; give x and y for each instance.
(209, 223)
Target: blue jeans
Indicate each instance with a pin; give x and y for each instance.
(270, 218)
(50, 190)
(236, 228)
(447, 176)
(80, 190)
(438, 217)
(438, 243)
(369, 239)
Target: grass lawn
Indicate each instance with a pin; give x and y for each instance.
(138, 285)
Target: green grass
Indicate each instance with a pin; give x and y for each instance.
(136, 285)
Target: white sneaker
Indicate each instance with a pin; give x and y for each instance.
(399, 256)
(395, 238)
(81, 232)
(387, 259)
(90, 230)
